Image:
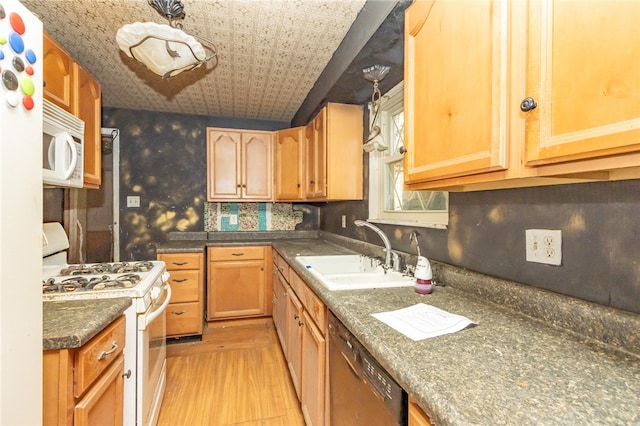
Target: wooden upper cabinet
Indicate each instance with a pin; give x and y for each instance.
(239, 165)
(88, 109)
(343, 150)
(59, 75)
(455, 97)
(289, 164)
(223, 164)
(257, 171)
(583, 70)
(316, 157)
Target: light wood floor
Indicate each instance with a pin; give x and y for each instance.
(237, 375)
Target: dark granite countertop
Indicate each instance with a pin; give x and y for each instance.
(535, 357)
(72, 323)
(509, 369)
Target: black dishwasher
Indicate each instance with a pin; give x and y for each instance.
(361, 392)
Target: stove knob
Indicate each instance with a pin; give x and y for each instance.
(155, 292)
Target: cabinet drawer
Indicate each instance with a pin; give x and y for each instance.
(184, 286)
(184, 319)
(95, 356)
(281, 265)
(312, 303)
(178, 261)
(236, 253)
(316, 309)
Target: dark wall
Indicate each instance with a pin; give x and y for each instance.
(163, 160)
(600, 224)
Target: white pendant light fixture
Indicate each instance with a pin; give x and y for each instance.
(375, 141)
(167, 50)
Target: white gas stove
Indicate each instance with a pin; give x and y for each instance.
(146, 283)
(142, 281)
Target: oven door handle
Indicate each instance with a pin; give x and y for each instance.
(155, 314)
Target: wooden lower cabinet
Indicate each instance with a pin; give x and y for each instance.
(302, 332)
(186, 310)
(417, 417)
(313, 372)
(294, 328)
(82, 387)
(239, 282)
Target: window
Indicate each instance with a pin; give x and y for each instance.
(388, 201)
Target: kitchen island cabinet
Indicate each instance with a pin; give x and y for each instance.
(238, 282)
(83, 362)
(497, 97)
(185, 313)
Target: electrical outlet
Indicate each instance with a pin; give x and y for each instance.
(344, 221)
(133, 201)
(233, 219)
(544, 246)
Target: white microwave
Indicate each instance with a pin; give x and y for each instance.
(62, 147)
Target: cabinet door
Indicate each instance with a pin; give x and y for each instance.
(103, 403)
(236, 289)
(59, 75)
(223, 165)
(294, 339)
(290, 164)
(313, 368)
(456, 94)
(257, 166)
(583, 70)
(88, 109)
(280, 295)
(417, 417)
(316, 156)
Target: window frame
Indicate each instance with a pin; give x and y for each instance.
(392, 103)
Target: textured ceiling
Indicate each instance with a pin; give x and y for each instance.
(271, 52)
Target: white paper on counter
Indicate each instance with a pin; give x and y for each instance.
(423, 321)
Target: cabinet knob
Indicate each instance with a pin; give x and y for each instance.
(402, 150)
(127, 374)
(528, 104)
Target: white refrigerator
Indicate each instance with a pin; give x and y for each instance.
(20, 215)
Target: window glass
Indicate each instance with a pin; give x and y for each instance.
(388, 201)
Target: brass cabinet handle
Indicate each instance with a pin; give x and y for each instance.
(237, 254)
(179, 280)
(180, 263)
(178, 312)
(103, 354)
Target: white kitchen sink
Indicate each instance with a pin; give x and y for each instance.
(350, 272)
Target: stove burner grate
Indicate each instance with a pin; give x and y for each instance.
(107, 268)
(76, 283)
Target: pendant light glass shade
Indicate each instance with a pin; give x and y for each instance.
(167, 50)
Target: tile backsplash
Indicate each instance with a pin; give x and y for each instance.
(233, 217)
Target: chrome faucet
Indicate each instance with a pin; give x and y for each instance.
(387, 246)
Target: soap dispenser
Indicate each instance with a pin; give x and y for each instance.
(423, 273)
